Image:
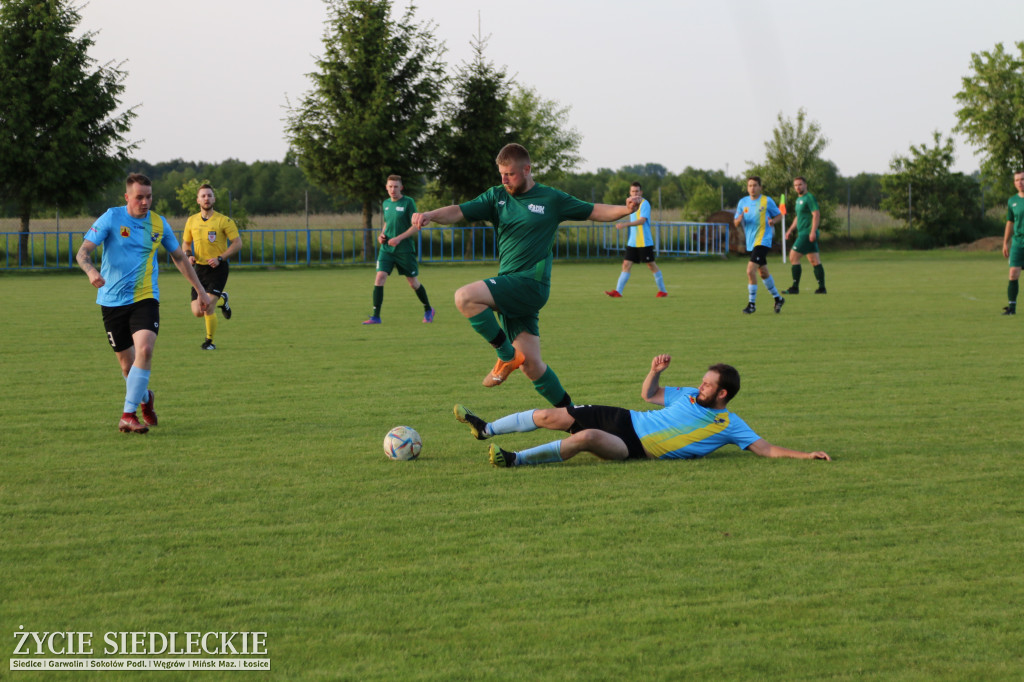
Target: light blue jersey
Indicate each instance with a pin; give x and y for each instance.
(756, 214)
(641, 235)
(685, 430)
(129, 264)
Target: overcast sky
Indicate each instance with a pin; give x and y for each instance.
(674, 82)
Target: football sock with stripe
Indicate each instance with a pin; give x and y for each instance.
(659, 279)
(542, 454)
(551, 388)
(486, 326)
(752, 293)
(378, 300)
(1012, 289)
(623, 278)
(819, 274)
(769, 283)
(136, 387)
(421, 294)
(520, 422)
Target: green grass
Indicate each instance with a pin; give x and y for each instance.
(264, 502)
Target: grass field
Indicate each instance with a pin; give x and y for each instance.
(263, 501)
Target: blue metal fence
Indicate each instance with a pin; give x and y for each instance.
(306, 247)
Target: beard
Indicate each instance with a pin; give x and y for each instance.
(704, 402)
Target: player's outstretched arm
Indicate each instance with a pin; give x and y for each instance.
(443, 216)
(765, 449)
(606, 213)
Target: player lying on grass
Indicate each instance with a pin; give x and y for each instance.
(695, 421)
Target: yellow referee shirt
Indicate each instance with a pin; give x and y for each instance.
(209, 238)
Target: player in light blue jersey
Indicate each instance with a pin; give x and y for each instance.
(757, 215)
(128, 293)
(693, 423)
(639, 245)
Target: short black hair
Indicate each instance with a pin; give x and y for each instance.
(728, 378)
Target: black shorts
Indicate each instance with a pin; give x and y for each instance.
(124, 320)
(613, 420)
(213, 279)
(760, 255)
(640, 254)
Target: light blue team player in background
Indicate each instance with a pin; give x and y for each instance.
(693, 423)
(757, 215)
(640, 246)
(128, 293)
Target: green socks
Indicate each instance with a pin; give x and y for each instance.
(819, 274)
(486, 326)
(378, 300)
(551, 389)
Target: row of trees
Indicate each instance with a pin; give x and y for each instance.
(372, 110)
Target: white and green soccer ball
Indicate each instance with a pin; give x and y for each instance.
(402, 443)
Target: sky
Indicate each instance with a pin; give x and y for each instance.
(674, 82)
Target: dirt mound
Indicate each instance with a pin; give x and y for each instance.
(983, 244)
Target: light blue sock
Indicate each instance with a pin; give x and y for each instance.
(769, 282)
(542, 454)
(623, 278)
(520, 422)
(659, 280)
(752, 292)
(136, 387)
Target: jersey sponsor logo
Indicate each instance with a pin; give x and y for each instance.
(400, 209)
(212, 236)
(535, 208)
(125, 231)
(746, 209)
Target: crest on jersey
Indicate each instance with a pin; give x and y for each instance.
(125, 232)
(212, 236)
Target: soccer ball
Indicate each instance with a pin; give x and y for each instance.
(402, 442)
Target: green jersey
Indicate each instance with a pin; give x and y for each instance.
(805, 208)
(525, 225)
(398, 219)
(1015, 215)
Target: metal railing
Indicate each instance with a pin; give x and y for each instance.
(308, 247)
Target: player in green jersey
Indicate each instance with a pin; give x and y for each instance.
(1013, 241)
(397, 249)
(808, 219)
(525, 215)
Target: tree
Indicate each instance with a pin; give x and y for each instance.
(795, 150)
(477, 124)
(991, 115)
(940, 206)
(542, 126)
(59, 136)
(370, 110)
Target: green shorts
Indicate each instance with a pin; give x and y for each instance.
(1017, 254)
(804, 245)
(405, 261)
(519, 300)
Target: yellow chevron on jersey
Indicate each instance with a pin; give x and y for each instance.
(669, 440)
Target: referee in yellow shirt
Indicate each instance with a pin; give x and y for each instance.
(210, 239)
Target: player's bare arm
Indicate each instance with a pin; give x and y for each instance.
(188, 272)
(1006, 238)
(443, 216)
(765, 449)
(84, 258)
(606, 213)
(651, 391)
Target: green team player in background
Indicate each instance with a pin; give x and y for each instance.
(525, 215)
(808, 219)
(397, 249)
(1013, 241)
